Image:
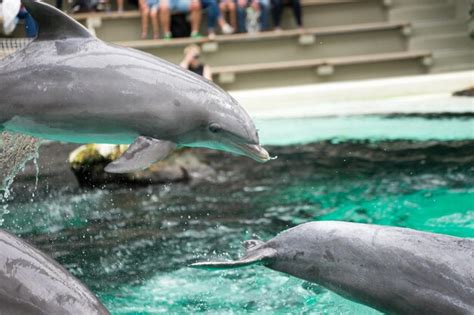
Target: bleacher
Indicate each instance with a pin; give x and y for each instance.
(342, 40)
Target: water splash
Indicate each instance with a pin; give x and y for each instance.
(15, 150)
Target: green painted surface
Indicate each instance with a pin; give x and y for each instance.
(307, 130)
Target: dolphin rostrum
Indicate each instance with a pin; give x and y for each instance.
(394, 270)
(69, 86)
(33, 283)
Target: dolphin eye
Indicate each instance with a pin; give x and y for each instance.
(214, 128)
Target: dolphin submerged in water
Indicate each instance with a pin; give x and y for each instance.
(395, 270)
(69, 86)
(33, 283)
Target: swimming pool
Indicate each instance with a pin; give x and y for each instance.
(132, 246)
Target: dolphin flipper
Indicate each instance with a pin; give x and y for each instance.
(143, 152)
(53, 23)
(258, 256)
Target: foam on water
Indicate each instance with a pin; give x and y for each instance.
(15, 151)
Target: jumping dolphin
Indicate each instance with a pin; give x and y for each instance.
(33, 283)
(394, 270)
(69, 86)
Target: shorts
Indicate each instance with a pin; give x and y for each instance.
(180, 5)
(153, 4)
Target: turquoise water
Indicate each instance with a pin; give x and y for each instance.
(132, 246)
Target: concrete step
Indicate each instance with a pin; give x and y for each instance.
(453, 68)
(428, 28)
(286, 45)
(444, 60)
(406, 3)
(126, 26)
(441, 42)
(321, 70)
(417, 12)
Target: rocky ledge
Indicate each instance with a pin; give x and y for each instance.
(88, 162)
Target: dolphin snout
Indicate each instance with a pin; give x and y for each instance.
(255, 152)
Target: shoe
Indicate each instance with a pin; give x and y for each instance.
(227, 29)
(196, 35)
(167, 36)
(211, 36)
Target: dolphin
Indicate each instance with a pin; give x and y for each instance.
(33, 283)
(394, 270)
(67, 85)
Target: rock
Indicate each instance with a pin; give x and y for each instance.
(88, 163)
(467, 92)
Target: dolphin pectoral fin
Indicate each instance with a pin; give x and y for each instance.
(143, 152)
(260, 256)
(53, 23)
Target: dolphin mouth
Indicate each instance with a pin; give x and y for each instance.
(255, 152)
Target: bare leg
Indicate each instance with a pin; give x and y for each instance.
(154, 22)
(165, 17)
(195, 16)
(120, 5)
(144, 13)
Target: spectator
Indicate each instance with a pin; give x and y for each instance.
(214, 16)
(59, 4)
(253, 15)
(150, 8)
(194, 8)
(277, 9)
(31, 28)
(119, 5)
(228, 6)
(192, 62)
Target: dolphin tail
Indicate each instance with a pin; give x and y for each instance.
(261, 255)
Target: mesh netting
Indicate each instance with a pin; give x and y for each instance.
(15, 151)
(10, 45)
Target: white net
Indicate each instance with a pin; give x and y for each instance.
(15, 150)
(10, 45)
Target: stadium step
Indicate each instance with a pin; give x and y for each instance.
(115, 26)
(272, 46)
(322, 70)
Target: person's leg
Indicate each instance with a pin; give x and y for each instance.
(165, 18)
(297, 12)
(120, 5)
(195, 15)
(215, 16)
(154, 21)
(277, 9)
(232, 8)
(241, 16)
(31, 29)
(145, 11)
(212, 15)
(264, 15)
(59, 4)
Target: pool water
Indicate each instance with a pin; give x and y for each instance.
(132, 246)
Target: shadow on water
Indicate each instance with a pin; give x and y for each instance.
(132, 246)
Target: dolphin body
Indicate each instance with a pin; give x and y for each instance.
(394, 270)
(33, 283)
(69, 86)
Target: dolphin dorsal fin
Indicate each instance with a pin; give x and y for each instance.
(54, 24)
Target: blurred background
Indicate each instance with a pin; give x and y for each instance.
(366, 103)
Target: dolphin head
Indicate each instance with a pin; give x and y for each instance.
(226, 126)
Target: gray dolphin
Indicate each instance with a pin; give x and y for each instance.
(33, 283)
(69, 86)
(394, 270)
